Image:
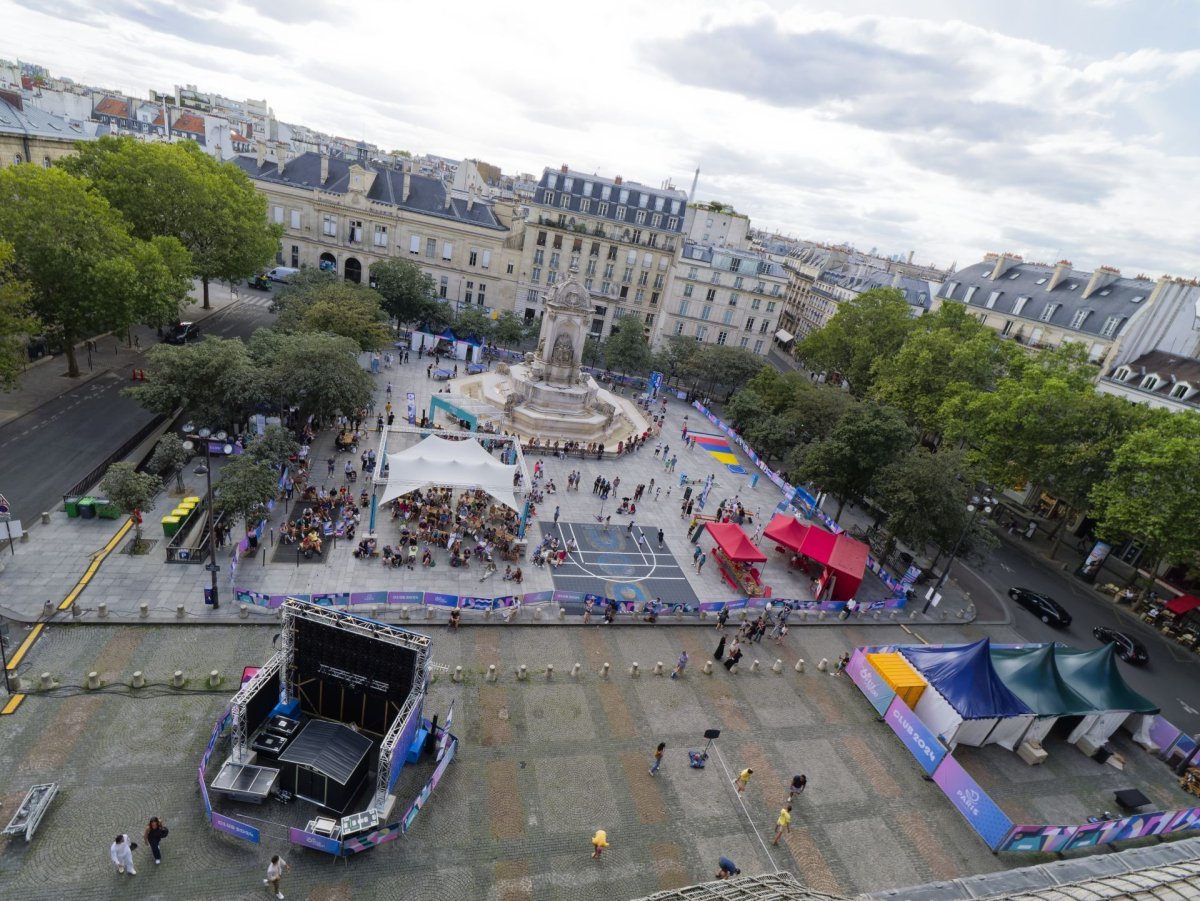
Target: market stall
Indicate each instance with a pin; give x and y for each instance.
(736, 555)
(1095, 675)
(844, 560)
(1033, 675)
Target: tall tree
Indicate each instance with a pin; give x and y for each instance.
(244, 487)
(723, 369)
(133, 492)
(317, 373)
(925, 496)
(407, 291)
(170, 454)
(215, 381)
(871, 326)
(16, 322)
(86, 273)
(626, 349)
(273, 446)
(335, 308)
(510, 330)
(178, 190)
(473, 322)
(672, 357)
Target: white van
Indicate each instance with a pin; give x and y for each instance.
(281, 274)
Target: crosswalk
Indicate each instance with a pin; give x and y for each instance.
(252, 298)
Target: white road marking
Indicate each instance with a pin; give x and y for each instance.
(1192, 710)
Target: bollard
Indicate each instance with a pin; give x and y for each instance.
(961, 614)
(912, 614)
(429, 613)
(575, 670)
(47, 681)
(214, 679)
(458, 676)
(404, 611)
(777, 666)
(803, 616)
(633, 670)
(549, 671)
(14, 682)
(875, 615)
(45, 518)
(754, 667)
(562, 613)
(93, 680)
(243, 611)
(48, 609)
(708, 668)
(487, 615)
(76, 611)
(823, 666)
(522, 673)
(537, 612)
(102, 610)
(658, 668)
(143, 610)
(703, 615)
(733, 670)
(800, 665)
(892, 616)
(678, 614)
(604, 671)
(491, 673)
(745, 616)
(180, 611)
(24, 537)
(821, 615)
(177, 679)
(139, 679)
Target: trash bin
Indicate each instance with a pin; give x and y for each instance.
(87, 508)
(106, 509)
(170, 525)
(71, 505)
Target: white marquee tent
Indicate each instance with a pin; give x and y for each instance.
(438, 462)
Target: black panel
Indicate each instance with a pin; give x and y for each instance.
(259, 707)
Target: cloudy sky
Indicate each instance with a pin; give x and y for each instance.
(1054, 128)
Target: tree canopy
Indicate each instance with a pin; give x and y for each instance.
(130, 490)
(244, 487)
(408, 293)
(866, 328)
(626, 349)
(16, 321)
(333, 307)
(317, 373)
(214, 380)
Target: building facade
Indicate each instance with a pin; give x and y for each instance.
(716, 225)
(347, 215)
(621, 237)
(31, 135)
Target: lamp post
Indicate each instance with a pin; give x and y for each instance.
(203, 436)
(976, 506)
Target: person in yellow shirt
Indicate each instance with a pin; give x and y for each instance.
(743, 779)
(783, 824)
(599, 842)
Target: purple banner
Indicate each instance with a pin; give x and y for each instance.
(1164, 734)
(316, 842)
(412, 811)
(204, 794)
(331, 598)
(921, 742)
(371, 840)
(434, 599)
(369, 597)
(470, 603)
(533, 598)
(972, 802)
(869, 682)
(405, 597)
(230, 826)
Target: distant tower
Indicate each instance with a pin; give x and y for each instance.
(695, 181)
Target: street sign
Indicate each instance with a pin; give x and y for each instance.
(4, 508)
(213, 567)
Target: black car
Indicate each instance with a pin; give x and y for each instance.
(1131, 651)
(1046, 609)
(183, 333)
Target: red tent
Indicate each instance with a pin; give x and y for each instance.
(843, 555)
(786, 531)
(818, 544)
(733, 541)
(1183, 604)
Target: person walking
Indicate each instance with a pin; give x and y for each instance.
(726, 868)
(700, 562)
(330, 463)
(680, 665)
(660, 538)
(275, 870)
(556, 515)
(743, 779)
(799, 783)
(720, 652)
(722, 616)
(121, 854)
(658, 758)
(783, 824)
(155, 832)
(599, 843)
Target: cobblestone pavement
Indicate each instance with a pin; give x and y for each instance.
(542, 764)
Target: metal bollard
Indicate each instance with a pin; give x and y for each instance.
(821, 615)
(679, 615)
(404, 611)
(243, 611)
(575, 670)
(604, 671)
(143, 610)
(429, 613)
(214, 678)
(180, 611)
(139, 679)
(102, 610)
(76, 611)
(537, 612)
(48, 609)
(799, 665)
(703, 615)
(458, 676)
(823, 666)
(633, 670)
(491, 673)
(562, 613)
(177, 679)
(777, 666)
(754, 667)
(658, 668)
(708, 668)
(93, 680)
(522, 673)
(549, 671)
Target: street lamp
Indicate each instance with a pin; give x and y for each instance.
(975, 507)
(203, 436)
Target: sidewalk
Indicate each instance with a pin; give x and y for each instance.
(46, 379)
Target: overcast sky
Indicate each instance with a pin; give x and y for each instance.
(1054, 128)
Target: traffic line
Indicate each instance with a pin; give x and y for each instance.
(13, 703)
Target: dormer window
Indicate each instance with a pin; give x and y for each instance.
(1072, 286)
(1181, 390)
(1111, 324)
(992, 298)
(1042, 281)
(1122, 374)
(1020, 305)
(970, 293)
(1080, 318)
(1150, 382)
(1014, 275)
(951, 287)
(1049, 311)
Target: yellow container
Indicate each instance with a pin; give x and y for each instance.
(170, 525)
(193, 499)
(187, 505)
(180, 512)
(899, 674)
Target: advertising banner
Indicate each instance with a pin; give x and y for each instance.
(1093, 561)
(533, 598)
(921, 742)
(1164, 734)
(1055, 838)
(316, 842)
(371, 840)
(869, 682)
(369, 597)
(412, 408)
(230, 826)
(972, 802)
(405, 597)
(434, 599)
(438, 772)
(204, 794)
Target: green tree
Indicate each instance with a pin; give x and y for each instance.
(335, 308)
(845, 464)
(86, 273)
(510, 329)
(723, 369)
(317, 373)
(169, 453)
(593, 351)
(672, 357)
(178, 190)
(131, 491)
(215, 381)
(473, 322)
(626, 349)
(406, 290)
(869, 327)
(244, 487)
(16, 322)
(925, 496)
(273, 446)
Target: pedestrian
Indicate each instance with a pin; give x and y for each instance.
(379, 423)
(660, 538)
(783, 824)
(700, 563)
(658, 757)
(734, 655)
(726, 868)
(799, 783)
(275, 870)
(587, 610)
(722, 615)
(455, 618)
(391, 417)
(121, 853)
(330, 464)
(720, 652)
(429, 371)
(743, 779)
(556, 515)
(599, 843)
(842, 663)
(155, 832)
(680, 665)
(696, 554)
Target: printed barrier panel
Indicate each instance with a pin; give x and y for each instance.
(869, 682)
(972, 802)
(316, 842)
(237, 829)
(1064, 838)
(438, 772)
(369, 840)
(1164, 734)
(917, 737)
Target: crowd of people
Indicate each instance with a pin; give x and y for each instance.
(471, 527)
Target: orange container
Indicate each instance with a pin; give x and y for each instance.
(899, 674)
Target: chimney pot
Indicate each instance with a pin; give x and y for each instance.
(617, 180)
(565, 168)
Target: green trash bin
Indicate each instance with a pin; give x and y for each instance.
(106, 509)
(87, 508)
(71, 504)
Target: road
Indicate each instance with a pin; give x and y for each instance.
(1169, 680)
(43, 453)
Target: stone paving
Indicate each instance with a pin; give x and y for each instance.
(542, 765)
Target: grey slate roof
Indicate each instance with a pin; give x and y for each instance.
(704, 253)
(1170, 368)
(1120, 299)
(918, 292)
(36, 123)
(674, 201)
(426, 195)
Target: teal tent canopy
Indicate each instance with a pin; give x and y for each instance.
(1032, 675)
(1094, 674)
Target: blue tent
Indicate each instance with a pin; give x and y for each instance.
(965, 677)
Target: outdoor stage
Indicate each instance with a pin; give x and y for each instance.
(619, 565)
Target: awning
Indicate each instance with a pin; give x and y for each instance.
(784, 336)
(733, 541)
(1183, 604)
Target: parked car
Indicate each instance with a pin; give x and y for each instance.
(282, 273)
(183, 333)
(1044, 608)
(1130, 650)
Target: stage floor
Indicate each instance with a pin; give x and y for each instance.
(619, 564)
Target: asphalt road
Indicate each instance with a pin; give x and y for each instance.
(43, 453)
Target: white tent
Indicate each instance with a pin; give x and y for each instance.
(437, 462)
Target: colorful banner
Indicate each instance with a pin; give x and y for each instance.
(917, 737)
(1093, 561)
(869, 682)
(314, 841)
(1164, 734)
(411, 814)
(972, 802)
(412, 408)
(1047, 839)
(434, 599)
(371, 840)
(718, 448)
(237, 829)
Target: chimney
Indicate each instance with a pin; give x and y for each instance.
(324, 168)
(1160, 287)
(1101, 278)
(896, 279)
(470, 201)
(1004, 262)
(407, 186)
(280, 157)
(449, 196)
(617, 180)
(1061, 269)
(565, 169)
(910, 256)
(260, 153)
